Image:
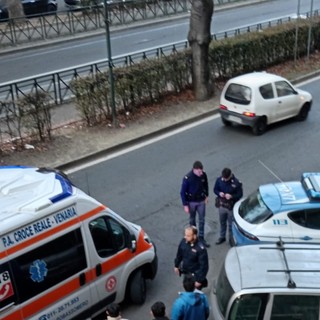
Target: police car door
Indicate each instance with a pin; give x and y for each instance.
(110, 257)
(305, 225)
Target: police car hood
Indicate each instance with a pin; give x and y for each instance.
(191, 298)
(283, 196)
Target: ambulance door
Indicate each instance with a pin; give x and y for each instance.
(111, 257)
(51, 280)
(8, 296)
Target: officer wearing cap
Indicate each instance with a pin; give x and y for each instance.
(194, 195)
(192, 258)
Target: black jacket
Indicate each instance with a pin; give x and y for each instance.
(192, 258)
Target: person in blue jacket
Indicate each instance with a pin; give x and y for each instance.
(228, 189)
(191, 304)
(194, 195)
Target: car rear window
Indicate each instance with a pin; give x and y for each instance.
(238, 93)
(254, 210)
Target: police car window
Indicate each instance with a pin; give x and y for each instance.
(48, 265)
(306, 218)
(298, 217)
(7, 288)
(293, 307)
(254, 210)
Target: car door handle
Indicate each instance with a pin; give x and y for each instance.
(279, 101)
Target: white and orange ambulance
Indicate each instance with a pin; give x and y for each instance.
(64, 255)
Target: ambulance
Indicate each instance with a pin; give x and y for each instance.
(64, 255)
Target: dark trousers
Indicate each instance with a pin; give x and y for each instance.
(199, 207)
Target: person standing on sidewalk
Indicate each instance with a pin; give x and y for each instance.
(228, 189)
(194, 195)
(192, 258)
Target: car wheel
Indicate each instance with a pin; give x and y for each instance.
(138, 288)
(226, 122)
(260, 127)
(303, 114)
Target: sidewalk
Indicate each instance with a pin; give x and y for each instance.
(74, 145)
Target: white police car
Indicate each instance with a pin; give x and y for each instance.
(290, 210)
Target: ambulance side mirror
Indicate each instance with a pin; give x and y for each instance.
(133, 244)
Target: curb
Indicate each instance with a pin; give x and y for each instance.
(129, 143)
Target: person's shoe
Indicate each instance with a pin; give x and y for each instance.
(231, 242)
(220, 240)
(205, 243)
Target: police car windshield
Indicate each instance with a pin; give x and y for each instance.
(254, 210)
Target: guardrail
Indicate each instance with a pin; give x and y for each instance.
(70, 22)
(57, 84)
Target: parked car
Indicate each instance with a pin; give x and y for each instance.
(32, 7)
(290, 210)
(258, 99)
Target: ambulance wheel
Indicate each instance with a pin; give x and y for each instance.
(138, 288)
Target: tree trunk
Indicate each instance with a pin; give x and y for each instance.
(199, 38)
(15, 9)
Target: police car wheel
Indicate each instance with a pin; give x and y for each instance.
(138, 288)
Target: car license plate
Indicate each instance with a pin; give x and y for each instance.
(235, 119)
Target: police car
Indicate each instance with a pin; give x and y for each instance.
(290, 210)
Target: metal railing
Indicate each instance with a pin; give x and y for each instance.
(65, 23)
(57, 84)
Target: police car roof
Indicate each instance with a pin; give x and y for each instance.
(264, 267)
(292, 195)
(24, 191)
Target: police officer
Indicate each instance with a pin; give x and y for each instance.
(228, 190)
(194, 195)
(192, 258)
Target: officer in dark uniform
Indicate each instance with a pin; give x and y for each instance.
(194, 195)
(228, 189)
(192, 258)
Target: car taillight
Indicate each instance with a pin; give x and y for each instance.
(223, 107)
(249, 114)
(247, 234)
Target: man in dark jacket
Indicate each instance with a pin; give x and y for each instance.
(228, 189)
(192, 258)
(194, 195)
(191, 305)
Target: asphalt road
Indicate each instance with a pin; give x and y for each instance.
(69, 54)
(143, 185)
